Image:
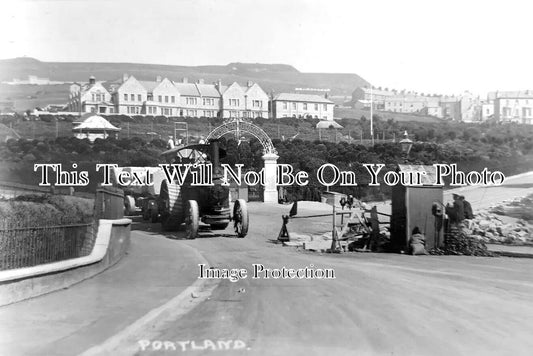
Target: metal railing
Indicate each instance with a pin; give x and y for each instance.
(31, 246)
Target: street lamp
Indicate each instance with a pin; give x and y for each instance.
(406, 145)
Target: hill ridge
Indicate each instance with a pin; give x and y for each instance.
(271, 77)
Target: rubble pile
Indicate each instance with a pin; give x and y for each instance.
(490, 228)
(459, 242)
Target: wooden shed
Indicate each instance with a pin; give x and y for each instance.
(412, 206)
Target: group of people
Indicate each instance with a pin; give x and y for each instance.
(457, 212)
(460, 210)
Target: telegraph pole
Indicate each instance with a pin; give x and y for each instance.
(371, 115)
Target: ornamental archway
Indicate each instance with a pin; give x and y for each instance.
(270, 155)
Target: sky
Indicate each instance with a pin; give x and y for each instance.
(436, 46)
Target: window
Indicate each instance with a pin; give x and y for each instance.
(191, 101)
(150, 97)
(305, 106)
(160, 98)
(125, 97)
(132, 97)
(173, 99)
(139, 98)
(166, 98)
(293, 106)
(94, 97)
(209, 101)
(316, 107)
(233, 102)
(285, 105)
(325, 107)
(257, 103)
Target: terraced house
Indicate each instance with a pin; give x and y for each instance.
(130, 98)
(164, 97)
(168, 98)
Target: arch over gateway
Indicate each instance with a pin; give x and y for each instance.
(270, 155)
(238, 125)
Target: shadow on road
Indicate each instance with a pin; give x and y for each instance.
(138, 224)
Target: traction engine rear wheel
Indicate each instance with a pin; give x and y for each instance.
(171, 209)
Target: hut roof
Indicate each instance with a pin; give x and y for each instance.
(326, 124)
(96, 122)
(430, 176)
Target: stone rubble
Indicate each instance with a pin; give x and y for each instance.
(492, 228)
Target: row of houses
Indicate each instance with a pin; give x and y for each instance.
(172, 98)
(504, 106)
(462, 108)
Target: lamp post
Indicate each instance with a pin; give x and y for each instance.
(406, 145)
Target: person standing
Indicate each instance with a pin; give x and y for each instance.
(469, 213)
(456, 213)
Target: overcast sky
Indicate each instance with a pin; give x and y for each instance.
(427, 46)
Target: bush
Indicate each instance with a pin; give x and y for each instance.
(43, 210)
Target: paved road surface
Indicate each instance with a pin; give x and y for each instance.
(379, 304)
(70, 321)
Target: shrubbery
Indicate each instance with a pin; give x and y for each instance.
(46, 210)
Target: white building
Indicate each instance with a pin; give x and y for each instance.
(302, 106)
(513, 106)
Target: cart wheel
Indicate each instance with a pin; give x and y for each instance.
(240, 216)
(191, 219)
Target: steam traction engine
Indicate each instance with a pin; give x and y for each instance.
(189, 204)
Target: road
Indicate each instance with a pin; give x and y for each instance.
(378, 304)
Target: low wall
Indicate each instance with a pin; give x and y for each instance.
(112, 242)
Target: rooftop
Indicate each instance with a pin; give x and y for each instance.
(309, 98)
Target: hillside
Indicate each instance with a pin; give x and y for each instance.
(276, 77)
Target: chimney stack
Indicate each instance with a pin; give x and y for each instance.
(92, 80)
(249, 84)
(218, 84)
(185, 80)
(200, 81)
(125, 77)
(158, 78)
